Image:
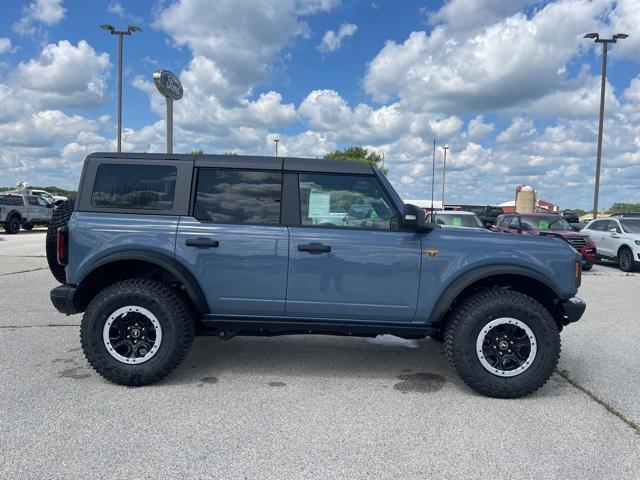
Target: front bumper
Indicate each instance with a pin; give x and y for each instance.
(63, 298)
(573, 309)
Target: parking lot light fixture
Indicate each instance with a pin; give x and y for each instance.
(444, 173)
(605, 47)
(276, 140)
(120, 33)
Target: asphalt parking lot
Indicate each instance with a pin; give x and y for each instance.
(310, 407)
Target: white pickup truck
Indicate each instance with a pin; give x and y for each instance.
(17, 209)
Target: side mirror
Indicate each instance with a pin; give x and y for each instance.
(613, 230)
(414, 218)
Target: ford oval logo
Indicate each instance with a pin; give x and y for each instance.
(168, 84)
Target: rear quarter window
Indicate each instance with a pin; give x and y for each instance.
(145, 187)
(11, 200)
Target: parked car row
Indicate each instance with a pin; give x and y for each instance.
(616, 238)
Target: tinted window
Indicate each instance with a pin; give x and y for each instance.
(237, 196)
(149, 187)
(631, 226)
(11, 200)
(345, 201)
(42, 202)
(458, 220)
(514, 223)
(545, 223)
(599, 225)
(32, 201)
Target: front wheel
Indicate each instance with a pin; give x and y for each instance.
(502, 343)
(625, 260)
(135, 332)
(587, 266)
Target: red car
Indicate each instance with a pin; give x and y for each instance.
(548, 224)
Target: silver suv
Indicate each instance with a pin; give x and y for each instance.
(18, 209)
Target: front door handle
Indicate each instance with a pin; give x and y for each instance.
(202, 243)
(314, 248)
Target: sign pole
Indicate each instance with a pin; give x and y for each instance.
(171, 89)
(169, 124)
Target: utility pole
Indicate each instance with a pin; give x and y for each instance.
(433, 177)
(444, 172)
(605, 47)
(129, 31)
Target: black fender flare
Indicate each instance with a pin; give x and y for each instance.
(192, 288)
(12, 213)
(457, 286)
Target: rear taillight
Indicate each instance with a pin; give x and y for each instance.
(62, 247)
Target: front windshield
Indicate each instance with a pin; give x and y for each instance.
(631, 226)
(545, 223)
(458, 220)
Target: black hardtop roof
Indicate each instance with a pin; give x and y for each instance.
(319, 165)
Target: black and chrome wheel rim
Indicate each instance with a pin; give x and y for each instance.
(506, 347)
(132, 334)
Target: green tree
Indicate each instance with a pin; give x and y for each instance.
(196, 152)
(359, 154)
(624, 207)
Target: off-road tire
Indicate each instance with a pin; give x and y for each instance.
(170, 309)
(27, 226)
(12, 225)
(625, 260)
(60, 218)
(467, 322)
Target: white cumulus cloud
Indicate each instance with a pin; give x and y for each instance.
(332, 41)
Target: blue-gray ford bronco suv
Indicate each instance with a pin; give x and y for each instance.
(159, 248)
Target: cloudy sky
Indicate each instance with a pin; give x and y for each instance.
(510, 86)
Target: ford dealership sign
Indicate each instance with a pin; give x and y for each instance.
(168, 84)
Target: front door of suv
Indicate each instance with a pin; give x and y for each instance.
(348, 258)
(234, 244)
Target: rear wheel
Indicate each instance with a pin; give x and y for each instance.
(60, 218)
(625, 260)
(136, 332)
(502, 343)
(12, 225)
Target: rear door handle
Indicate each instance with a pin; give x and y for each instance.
(314, 248)
(202, 243)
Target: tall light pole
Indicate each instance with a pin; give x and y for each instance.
(433, 177)
(605, 47)
(129, 31)
(276, 140)
(444, 172)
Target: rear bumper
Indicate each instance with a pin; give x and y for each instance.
(573, 310)
(63, 299)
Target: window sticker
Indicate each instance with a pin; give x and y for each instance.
(319, 203)
(457, 222)
(543, 225)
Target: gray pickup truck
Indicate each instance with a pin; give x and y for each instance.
(17, 209)
(158, 248)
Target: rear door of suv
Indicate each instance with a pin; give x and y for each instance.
(347, 268)
(233, 241)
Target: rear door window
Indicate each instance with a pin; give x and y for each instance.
(13, 200)
(238, 197)
(145, 187)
